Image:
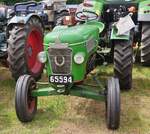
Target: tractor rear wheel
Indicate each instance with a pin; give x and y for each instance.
(123, 62)
(145, 44)
(24, 44)
(25, 104)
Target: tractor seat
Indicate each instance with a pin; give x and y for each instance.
(74, 34)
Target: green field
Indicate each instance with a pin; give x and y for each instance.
(73, 115)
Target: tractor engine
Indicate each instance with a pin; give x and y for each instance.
(91, 64)
(3, 24)
(113, 10)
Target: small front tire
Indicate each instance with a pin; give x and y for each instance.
(25, 104)
(113, 104)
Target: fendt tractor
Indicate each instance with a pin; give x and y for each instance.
(21, 33)
(73, 50)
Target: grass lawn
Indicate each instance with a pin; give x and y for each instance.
(73, 115)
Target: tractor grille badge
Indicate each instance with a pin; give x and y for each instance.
(60, 59)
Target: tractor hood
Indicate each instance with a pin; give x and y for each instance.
(74, 34)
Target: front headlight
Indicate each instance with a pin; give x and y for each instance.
(42, 57)
(79, 58)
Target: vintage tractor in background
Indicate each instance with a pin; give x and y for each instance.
(144, 22)
(3, 25)
(24, 31)
(5, 14)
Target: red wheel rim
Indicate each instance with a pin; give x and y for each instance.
(33, 47)
(31, 101)
(31, 104)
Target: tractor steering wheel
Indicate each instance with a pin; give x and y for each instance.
(86, 15)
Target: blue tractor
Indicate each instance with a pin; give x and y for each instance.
(21, 34)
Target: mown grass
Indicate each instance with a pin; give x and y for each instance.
(87, 115)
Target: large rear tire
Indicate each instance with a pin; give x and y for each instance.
(24, 44)
(145, 44)
(123, 62)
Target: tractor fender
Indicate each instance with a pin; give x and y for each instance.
(144, 11)
(21, 20)
(114, 35)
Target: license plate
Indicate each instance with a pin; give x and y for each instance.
(60, 79)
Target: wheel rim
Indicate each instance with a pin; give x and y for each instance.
(31, 101)
(31, 104)
(33, 47)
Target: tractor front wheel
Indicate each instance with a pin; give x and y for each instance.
(26, 105)
(123, 62)
(113, 104)
(145, 44)
(24, 44)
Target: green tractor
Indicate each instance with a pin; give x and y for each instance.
(73, 50)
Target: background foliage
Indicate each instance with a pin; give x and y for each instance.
(11, 2)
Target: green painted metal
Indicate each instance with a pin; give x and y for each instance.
(114, 35)
(97, 6)
(80, 91)
(143, 7)
(76, 37)
(44, 92)
(75, 34)
(87, 92)
(144, 10)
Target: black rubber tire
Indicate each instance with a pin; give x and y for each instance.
(59, 17)
(145, 44)
(113, 104)
(16, 48)
(24, 86)
(123, 62)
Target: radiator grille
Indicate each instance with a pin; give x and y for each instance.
(60, 59)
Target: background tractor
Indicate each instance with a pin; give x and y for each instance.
(5, 14)
(24, 28)
(3, 25)
(144, 24)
